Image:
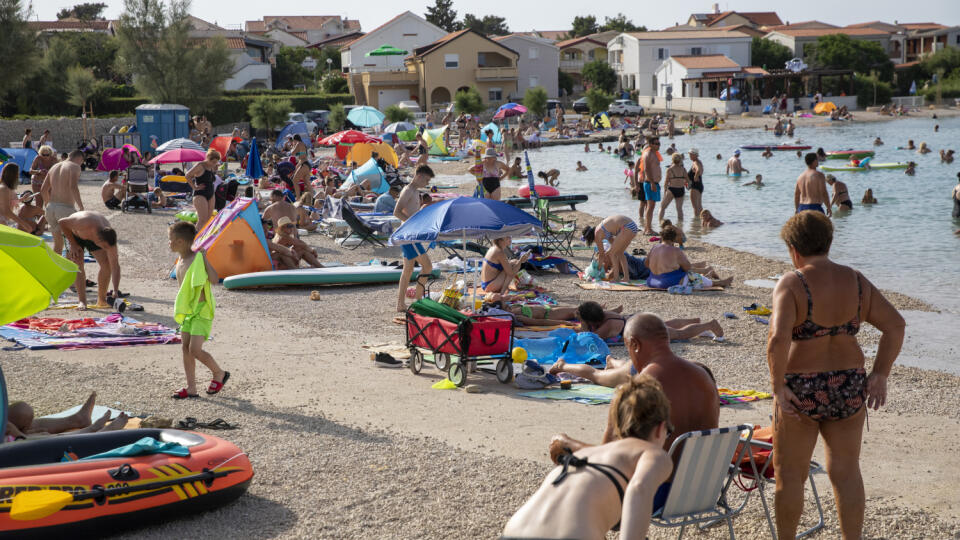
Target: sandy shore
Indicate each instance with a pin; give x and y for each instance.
(342, 449)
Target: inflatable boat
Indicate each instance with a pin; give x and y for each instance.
(851, 168)
(793, 147)
(850, 154)
(42, 496)
(572, 200)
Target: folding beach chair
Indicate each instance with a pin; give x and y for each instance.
(698, 494)
(366, 234)
(557, 233)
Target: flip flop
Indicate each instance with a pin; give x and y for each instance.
(183, 394)
(216, 386)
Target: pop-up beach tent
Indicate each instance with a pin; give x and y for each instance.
(434, 140)
(371, 171)
(497, 136)
(23, 157)
(234, 240)
(362, 152)
(294, 128)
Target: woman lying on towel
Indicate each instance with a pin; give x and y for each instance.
(669, 265)
(610, 486)
(498, 269)
(544, 315)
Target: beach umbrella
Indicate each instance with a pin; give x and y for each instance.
(386, 50)
(35, 272)
(294, 128)
(254, 167)
(913, 88)
(350, 136)
(365, 116)
(509, 109)
(176, 144)
(398, 127)
(182, 155)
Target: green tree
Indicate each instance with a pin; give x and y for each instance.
(167, 65)
(87, 11)
(535, 100)
(598, 100)
(468, 101)
(600, 74)
(337, 117)
(871, 91)
(97, 51)
(333, 53)
(266, 113)
(621, 23)
(17, 45)
(565, 82)
(840, 51)
(334, 83)
(583, 26)
(769, 54)
(488, 25)
(947, 59)
(47, 83)
(395, 113)
(83, 87)
(443, 15)
(288, 72)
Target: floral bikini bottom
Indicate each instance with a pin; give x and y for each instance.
(829, 395)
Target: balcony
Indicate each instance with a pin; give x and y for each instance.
(496, 73)
(389, 78)
(572, 65)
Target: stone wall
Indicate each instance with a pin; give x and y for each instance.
(65, 133)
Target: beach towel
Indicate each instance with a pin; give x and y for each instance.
(195, 281)
(592, 394)
(143, 447)
(112, 330)
(632, 286)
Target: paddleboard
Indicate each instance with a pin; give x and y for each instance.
(850, 154)
(899, 165)
(341, 275)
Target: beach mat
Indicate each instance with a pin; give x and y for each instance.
(592, 394)
(104, 335)
(633, 287)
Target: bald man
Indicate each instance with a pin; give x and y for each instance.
(690, 387)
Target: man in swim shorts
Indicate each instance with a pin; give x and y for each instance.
(113, 192)
(651, 175)
(91, 231)
(407, 205)
(811, 191)
(734, 167)
(841, 198)
(61, 195)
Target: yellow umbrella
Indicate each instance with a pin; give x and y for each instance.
(32, 274)
(360, 153)
(386, 152)
(824, 107)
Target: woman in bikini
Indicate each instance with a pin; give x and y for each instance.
(498, 269)
(675, 182)
(493, 171)
(619, 231)
(611, 486)
(201, 178)
(820, 386)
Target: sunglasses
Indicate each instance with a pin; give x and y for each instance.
(288, 226)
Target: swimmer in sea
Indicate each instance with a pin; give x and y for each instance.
(586, 147)
(910, 145)
(758, 181)
(821, 155)
(841, 197)
(924, 149)
(768, 153)
(734, 166)
(799, 154)
(719, 157)
(911, 169)
(878, 141)
(946, 156)
(581, 167)
(868, 197)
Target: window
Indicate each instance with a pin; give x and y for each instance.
(663, 53)
(451, 61)
(590, 55)
(534, 81)
(495, 95)
(534, 53)
(696, 51)
(481, 59)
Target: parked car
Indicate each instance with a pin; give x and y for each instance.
(580, 106)
(321, 117)
(796, 65)
(625, 107)
(301, 117)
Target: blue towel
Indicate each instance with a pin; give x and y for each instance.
(144, 447)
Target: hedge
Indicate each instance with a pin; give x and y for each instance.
(232, 107)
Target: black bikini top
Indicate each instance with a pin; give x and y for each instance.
(809, 329)
(567, 459)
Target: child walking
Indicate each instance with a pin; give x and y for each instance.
(194, 310)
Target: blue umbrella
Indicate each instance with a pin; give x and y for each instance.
(254, 167)
(294, 128)
(365, 116)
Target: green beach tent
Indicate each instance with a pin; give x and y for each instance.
(32, 274)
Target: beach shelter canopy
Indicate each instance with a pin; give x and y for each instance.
(34, 274)
(294, 128)
(350, 136)
(386, 50)
(112, 158)
(182, 155)
(397, 127)
(464, 217)
(497, 135)
(23, 157)
(365, 116)
(434, 140)
(174, 144)
(222, 145)
(233, 240)
(254, 167)
(600, 121)
(509, 109)
(370, 171)
(362, 152)
(824, 107)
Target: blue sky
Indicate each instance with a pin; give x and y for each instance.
(522, 16)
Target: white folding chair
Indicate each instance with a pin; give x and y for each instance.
(762, 477)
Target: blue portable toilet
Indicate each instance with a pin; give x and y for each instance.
(165, 121)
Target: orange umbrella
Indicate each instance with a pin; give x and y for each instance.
(222, 145)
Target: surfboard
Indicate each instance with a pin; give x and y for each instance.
(340, 275)
(899, 165)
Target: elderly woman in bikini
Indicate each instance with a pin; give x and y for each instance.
(817, 371)
(619, 231)
(498, 268)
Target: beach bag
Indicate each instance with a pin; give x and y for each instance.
(761, 456)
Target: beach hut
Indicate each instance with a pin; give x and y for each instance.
(234, 240)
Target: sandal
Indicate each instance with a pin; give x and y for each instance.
(216, 386)
(183, 394)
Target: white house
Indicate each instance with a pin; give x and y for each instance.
(636, 56)
(798, 40)
(312, 28)
(406, 31)
(252, 55)
(539, 63)
(677, 71)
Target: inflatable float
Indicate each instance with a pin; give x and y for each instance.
(339, 275)
(850, 154)
(85, 496)
(851, 168)
(572, 200)
(775, 147)
(542, 191)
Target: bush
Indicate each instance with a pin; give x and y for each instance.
(267, 112)
(864, 86)
(469, 101)
(395, 114)
(337, 118)
(949, 88)
(598, 100)
(535, 100)
(335, 84)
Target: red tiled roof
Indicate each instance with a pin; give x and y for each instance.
(817, 32)
(754, 70)
(906, 64)
(427, 49)
(706, 61)
(68, 24)
(352, 25)
(923, 26)
(574, 41)
(759, 18)
(803, 24)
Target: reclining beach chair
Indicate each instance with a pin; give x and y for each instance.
(557, 233)
(366, 234)
(703, 474)
(138, 185)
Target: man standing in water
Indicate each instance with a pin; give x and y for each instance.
(407, 205)
(840, 196)
(650, 174)
(734, 167)
(811, 192)
(61, 194)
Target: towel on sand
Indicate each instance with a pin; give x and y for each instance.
(592, 394)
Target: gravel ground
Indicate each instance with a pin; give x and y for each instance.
(344, 450)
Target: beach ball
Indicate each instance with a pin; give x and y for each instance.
(519, 355)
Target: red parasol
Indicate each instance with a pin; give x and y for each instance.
(349, 136)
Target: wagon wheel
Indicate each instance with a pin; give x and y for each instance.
(442, 361)
(416, 361)
(457, 374)
(504, 370)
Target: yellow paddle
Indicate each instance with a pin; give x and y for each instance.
(32, 505)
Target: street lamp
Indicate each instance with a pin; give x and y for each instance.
(329, 64)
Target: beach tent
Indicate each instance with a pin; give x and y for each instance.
(497, 136)
(222, 145)
(23, 157)
(362, 152)
(434, 140)
(407, 136)
(370, 170)
(234, 241)
(824, 107)
(601, 121)
(112, 158)
(294, 128)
